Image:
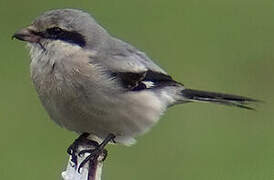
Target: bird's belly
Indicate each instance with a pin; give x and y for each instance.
(126, 116)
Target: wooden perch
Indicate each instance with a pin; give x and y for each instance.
(90, 171)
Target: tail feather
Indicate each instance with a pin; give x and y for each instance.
(220, 98)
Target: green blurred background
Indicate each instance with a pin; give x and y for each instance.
(218, 45)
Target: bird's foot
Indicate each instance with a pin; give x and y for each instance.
(73, 148)
(94, 153)
(93, 156)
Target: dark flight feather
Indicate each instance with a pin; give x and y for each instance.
(225, 99)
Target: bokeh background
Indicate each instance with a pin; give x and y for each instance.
(218, 45)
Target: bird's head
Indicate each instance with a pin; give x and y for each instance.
(67, 26)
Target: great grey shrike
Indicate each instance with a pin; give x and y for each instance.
(95, 84)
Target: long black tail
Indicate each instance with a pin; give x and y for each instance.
(220, 98)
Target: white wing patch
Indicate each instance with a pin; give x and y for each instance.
(148, 84)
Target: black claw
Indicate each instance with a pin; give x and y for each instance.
(105, 154)
(72, 151)
(92, 158)
(95, 153)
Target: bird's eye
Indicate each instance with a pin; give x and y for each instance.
(54, 31)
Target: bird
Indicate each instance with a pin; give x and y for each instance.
(99, 86)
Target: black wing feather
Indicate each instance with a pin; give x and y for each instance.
(136, 81)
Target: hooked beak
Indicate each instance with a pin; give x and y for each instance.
(28, 34)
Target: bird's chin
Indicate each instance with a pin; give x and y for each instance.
(35, 48)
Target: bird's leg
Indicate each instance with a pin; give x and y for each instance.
(95, 153)
(82, 139)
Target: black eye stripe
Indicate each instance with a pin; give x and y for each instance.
(57, 33)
